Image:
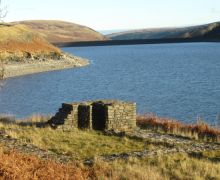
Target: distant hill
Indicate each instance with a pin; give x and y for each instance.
(17, 41)
(62, 32)
(203, 31)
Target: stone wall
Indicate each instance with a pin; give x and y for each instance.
(121, 116)
(97, 115)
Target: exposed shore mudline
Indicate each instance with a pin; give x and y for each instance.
(26, 67)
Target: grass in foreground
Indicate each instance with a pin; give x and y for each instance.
(78, 144)
(176, 166)
(204, 165)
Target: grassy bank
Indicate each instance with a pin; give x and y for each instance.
(81, 145)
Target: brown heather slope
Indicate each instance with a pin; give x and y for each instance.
(19, 40)
(62, 32)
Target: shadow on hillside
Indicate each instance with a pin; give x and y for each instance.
(33, 121)
(7, 120)
(201, 156)
(36, 124)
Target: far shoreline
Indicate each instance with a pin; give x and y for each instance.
(133, 42)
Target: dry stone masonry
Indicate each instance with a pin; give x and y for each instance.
(97, 115)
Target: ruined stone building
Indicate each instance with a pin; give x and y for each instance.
(97, 115)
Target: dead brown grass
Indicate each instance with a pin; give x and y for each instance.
(14, 165)
(201, 130)
(36, 45)
(18, 166)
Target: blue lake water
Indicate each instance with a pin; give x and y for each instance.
(181, 81)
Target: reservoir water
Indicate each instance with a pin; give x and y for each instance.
(180, 81)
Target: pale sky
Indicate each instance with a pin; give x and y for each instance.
(117, 14)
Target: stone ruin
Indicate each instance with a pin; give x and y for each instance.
(96, 115)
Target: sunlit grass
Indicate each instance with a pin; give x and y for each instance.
(175, 166)
(76, 143)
